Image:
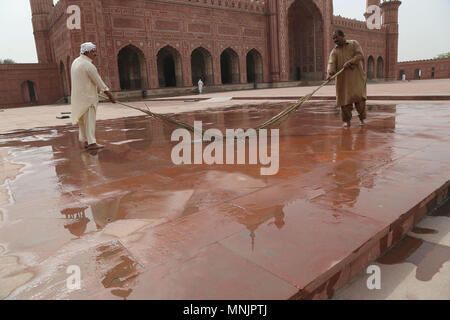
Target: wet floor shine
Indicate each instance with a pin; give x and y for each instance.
(61, 205)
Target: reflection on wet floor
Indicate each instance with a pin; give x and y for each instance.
(78, 224)
(13, 273)
(8, 172)
(121, 275)
(419, 230)
(133, 184)
(428, 257)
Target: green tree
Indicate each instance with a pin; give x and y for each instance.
(443, 55)
(7, 61)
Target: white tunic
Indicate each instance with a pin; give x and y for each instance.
(200, 85)
(86, 84)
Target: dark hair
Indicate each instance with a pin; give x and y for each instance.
(339, 33)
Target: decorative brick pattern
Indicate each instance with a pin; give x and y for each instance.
(290, 42)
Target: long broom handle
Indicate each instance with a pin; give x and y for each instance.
(296, 105)
(265, 124)
(157, 116)
(328, 81)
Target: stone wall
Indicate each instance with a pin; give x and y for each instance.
(275, 41)
(149, 26)
(16, 91)
(431, 69)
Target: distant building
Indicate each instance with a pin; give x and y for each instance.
(424, 69)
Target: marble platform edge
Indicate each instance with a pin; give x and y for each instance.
(326, 284)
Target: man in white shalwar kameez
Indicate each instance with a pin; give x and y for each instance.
(86, 84)
(200, 86)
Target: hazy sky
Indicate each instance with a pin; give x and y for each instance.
(424, 27)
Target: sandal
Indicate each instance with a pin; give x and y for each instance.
(94, 146)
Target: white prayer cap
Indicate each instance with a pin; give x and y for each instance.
(87, 47)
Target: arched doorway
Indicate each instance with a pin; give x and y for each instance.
(132, 68)
(201, 66)
(417, 74)
(65, 84)
(29, 92)
(306, 43)
(370, 68)
(229, 66)
(254, 67)
(380, 68)
(169, 67)
(68, 68)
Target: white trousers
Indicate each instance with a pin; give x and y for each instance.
(87, 126)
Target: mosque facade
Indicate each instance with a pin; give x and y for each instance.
(166, 46)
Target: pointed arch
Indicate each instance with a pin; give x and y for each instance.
(132, 68)
(370, 68)
(201, 66)
(29, 92)
(169, 67)
(254, 66)
(306, 41)
(417, 74)
(229, 66)
(69, 79)
(380, 68)
(63, 76)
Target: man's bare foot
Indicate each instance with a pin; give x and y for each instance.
(347, 124)
(94, 146)
(86, 145)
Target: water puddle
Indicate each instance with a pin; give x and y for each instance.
(126, 141)
(125, 269)
(79, 222)
(133, 184)
(426, 256)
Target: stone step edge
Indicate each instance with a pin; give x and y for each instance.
(321, 98)
(325, 285)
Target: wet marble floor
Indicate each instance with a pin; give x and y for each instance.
(139, 227)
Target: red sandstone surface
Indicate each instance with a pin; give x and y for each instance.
(140, 227)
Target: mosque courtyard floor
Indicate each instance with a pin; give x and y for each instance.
(137, 226)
